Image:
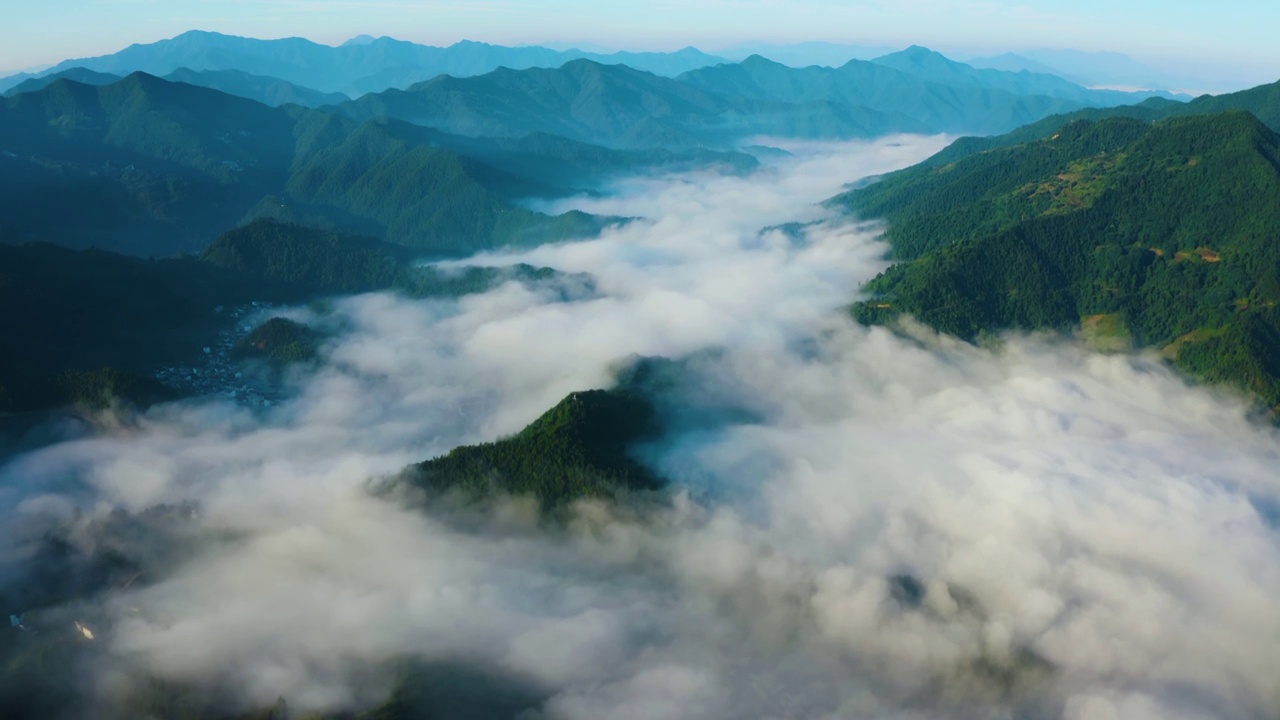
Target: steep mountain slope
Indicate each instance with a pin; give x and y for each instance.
(1262, 101)
(424, 197)
(151, 167)
(142, 165)
(355, 68)
(1161, 234)
(169, 122)
(615, 106)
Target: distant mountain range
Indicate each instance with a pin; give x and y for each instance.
(916, 91)
(1091, 69)
(31, 83)
(370, 65)
(1109, 69)
(804, 54)
(924, 63)
(617, 106)
(1087, 68)
(366, 64)
(266, 90)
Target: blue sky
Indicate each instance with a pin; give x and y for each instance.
(1227, 35)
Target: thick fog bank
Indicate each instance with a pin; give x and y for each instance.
(878, 527)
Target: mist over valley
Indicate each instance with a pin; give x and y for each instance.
(389, 381)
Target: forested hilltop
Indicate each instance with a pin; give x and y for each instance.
(577, 449)
(1263, 101)
(1149, 233)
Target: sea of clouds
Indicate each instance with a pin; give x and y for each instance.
(887, 524)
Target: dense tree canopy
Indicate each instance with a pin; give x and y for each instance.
(578, 449)
(1170, 230)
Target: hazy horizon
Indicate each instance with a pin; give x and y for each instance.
(1203, 79)
(407, 383)
(1177, 38)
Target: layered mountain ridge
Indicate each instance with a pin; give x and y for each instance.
(353, 68)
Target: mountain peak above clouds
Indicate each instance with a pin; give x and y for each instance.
(916, 55)
(359, 40)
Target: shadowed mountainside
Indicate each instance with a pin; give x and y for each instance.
(83, 326)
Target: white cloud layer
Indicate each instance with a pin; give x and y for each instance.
(908, 528)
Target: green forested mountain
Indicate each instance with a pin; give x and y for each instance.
(1262, 101)
(82, 325)
(425, 197)
(279, 341)
(150, 167)
(1165, 234)
(307, 260)
(578, 449)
